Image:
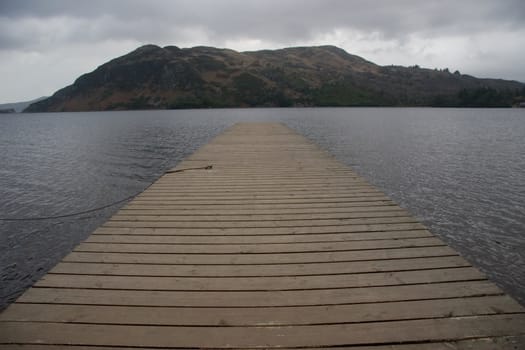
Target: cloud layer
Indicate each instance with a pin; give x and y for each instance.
(45, 45)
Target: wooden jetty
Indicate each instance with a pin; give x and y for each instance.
(279, 245)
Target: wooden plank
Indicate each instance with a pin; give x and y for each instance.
(270, 258)
(250, 190)
(245, 180)
(222, 177)
(320, 184)
(175, 238)
(269, 192)
(248, 211)
(483, 343)
(287, 200)
(255, 206)
(262, 224)
(272, 196)
(239, 337)
(254, 217)
(275, 316)
(280, 283)
(360, 197)
(261, 231)
(251, 208)
(199, 299)
(269, 214)
(322, 268)
(257, 248)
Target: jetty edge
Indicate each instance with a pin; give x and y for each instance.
(260, 239)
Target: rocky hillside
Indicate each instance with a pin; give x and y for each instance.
(152, 77)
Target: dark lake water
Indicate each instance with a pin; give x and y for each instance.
(460, 171)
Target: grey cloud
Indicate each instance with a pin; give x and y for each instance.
(281, 20)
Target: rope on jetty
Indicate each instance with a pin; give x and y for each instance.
(208, 167)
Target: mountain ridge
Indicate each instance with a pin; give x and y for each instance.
(21, 105)
(154, 77)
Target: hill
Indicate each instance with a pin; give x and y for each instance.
(19, 106)
(152, 77)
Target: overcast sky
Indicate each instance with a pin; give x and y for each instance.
(46, 45)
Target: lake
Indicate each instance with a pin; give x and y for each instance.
(460, 171)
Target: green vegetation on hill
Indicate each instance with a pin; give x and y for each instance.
(152, 77)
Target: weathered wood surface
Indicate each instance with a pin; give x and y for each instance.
(278, 245)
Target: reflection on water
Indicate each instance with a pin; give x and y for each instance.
(461, 171)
